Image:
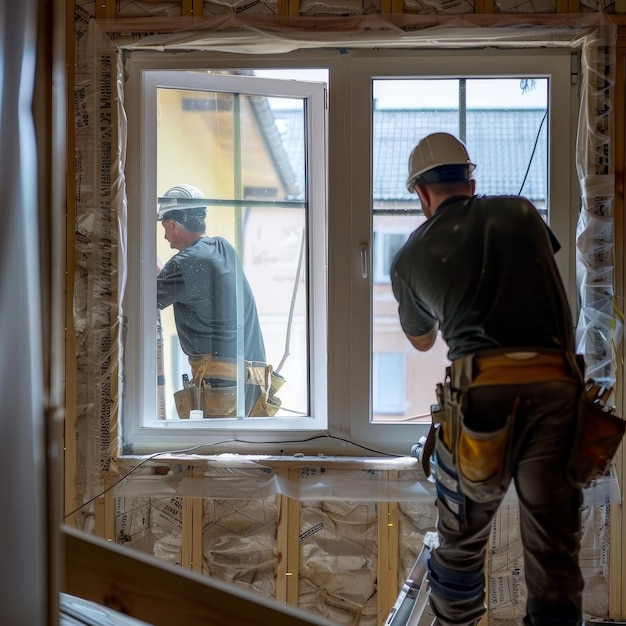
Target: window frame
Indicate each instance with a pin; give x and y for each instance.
(348, 219)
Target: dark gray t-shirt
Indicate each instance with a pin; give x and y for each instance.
(201, 284)
(484, 268)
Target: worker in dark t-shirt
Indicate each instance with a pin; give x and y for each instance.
(481, 270)
(204, 282)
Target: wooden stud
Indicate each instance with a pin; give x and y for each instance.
(187, 534)
(105, 512)
(283, 8)
(196, 554)
(388, 547)
(288, 544)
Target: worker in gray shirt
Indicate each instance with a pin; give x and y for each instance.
(200, 282)
(481, 271)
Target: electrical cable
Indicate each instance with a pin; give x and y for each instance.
(532, 155)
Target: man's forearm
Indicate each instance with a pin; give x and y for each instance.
(424, 342)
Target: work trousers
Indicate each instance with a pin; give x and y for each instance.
(549, 509)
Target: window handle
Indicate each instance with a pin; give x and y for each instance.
(364, 265)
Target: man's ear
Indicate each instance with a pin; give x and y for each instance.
(424, 196)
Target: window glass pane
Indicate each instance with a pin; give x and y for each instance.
(504, 124)
(246, 155)
(389, 388)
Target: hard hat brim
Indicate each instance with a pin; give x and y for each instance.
(166, 204)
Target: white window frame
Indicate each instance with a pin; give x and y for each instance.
(139, 408)
(343, 393)
(563, 188)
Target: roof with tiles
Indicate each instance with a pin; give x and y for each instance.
(508, 147)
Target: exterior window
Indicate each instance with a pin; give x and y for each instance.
(499, 119)
(385, 247)
(389, 388)
(301, 162)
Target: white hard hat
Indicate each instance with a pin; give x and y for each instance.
(181, 197)
(436, 158)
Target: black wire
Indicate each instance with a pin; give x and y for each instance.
(134, 469)
(209, 445)
(519, 193)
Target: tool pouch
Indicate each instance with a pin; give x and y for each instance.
(186, 400)
(453, 503)
(598, 435)
(482, 456)
(268, 403)
(446, 418)
(222, 401)
(213, 401)
(475, 444)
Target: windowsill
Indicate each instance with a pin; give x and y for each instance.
(301, 477)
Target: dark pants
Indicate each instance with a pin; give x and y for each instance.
(549, 510)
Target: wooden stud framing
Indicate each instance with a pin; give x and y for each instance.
(105, 513)
(294, 7)
(191, 546)
(485, 6)
(288, 545)
(192, 8)
(392, 6)
(388, 552)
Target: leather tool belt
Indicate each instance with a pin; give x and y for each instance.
(213, 401)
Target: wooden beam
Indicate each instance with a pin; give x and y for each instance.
(105, 512)
(191, 8)
(485, 6)
(191, 548)
(288, 545)
(143, 587)
(388, 548)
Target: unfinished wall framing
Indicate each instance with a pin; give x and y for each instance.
(302, 547)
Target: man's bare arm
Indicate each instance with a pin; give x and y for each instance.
(424, 342)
